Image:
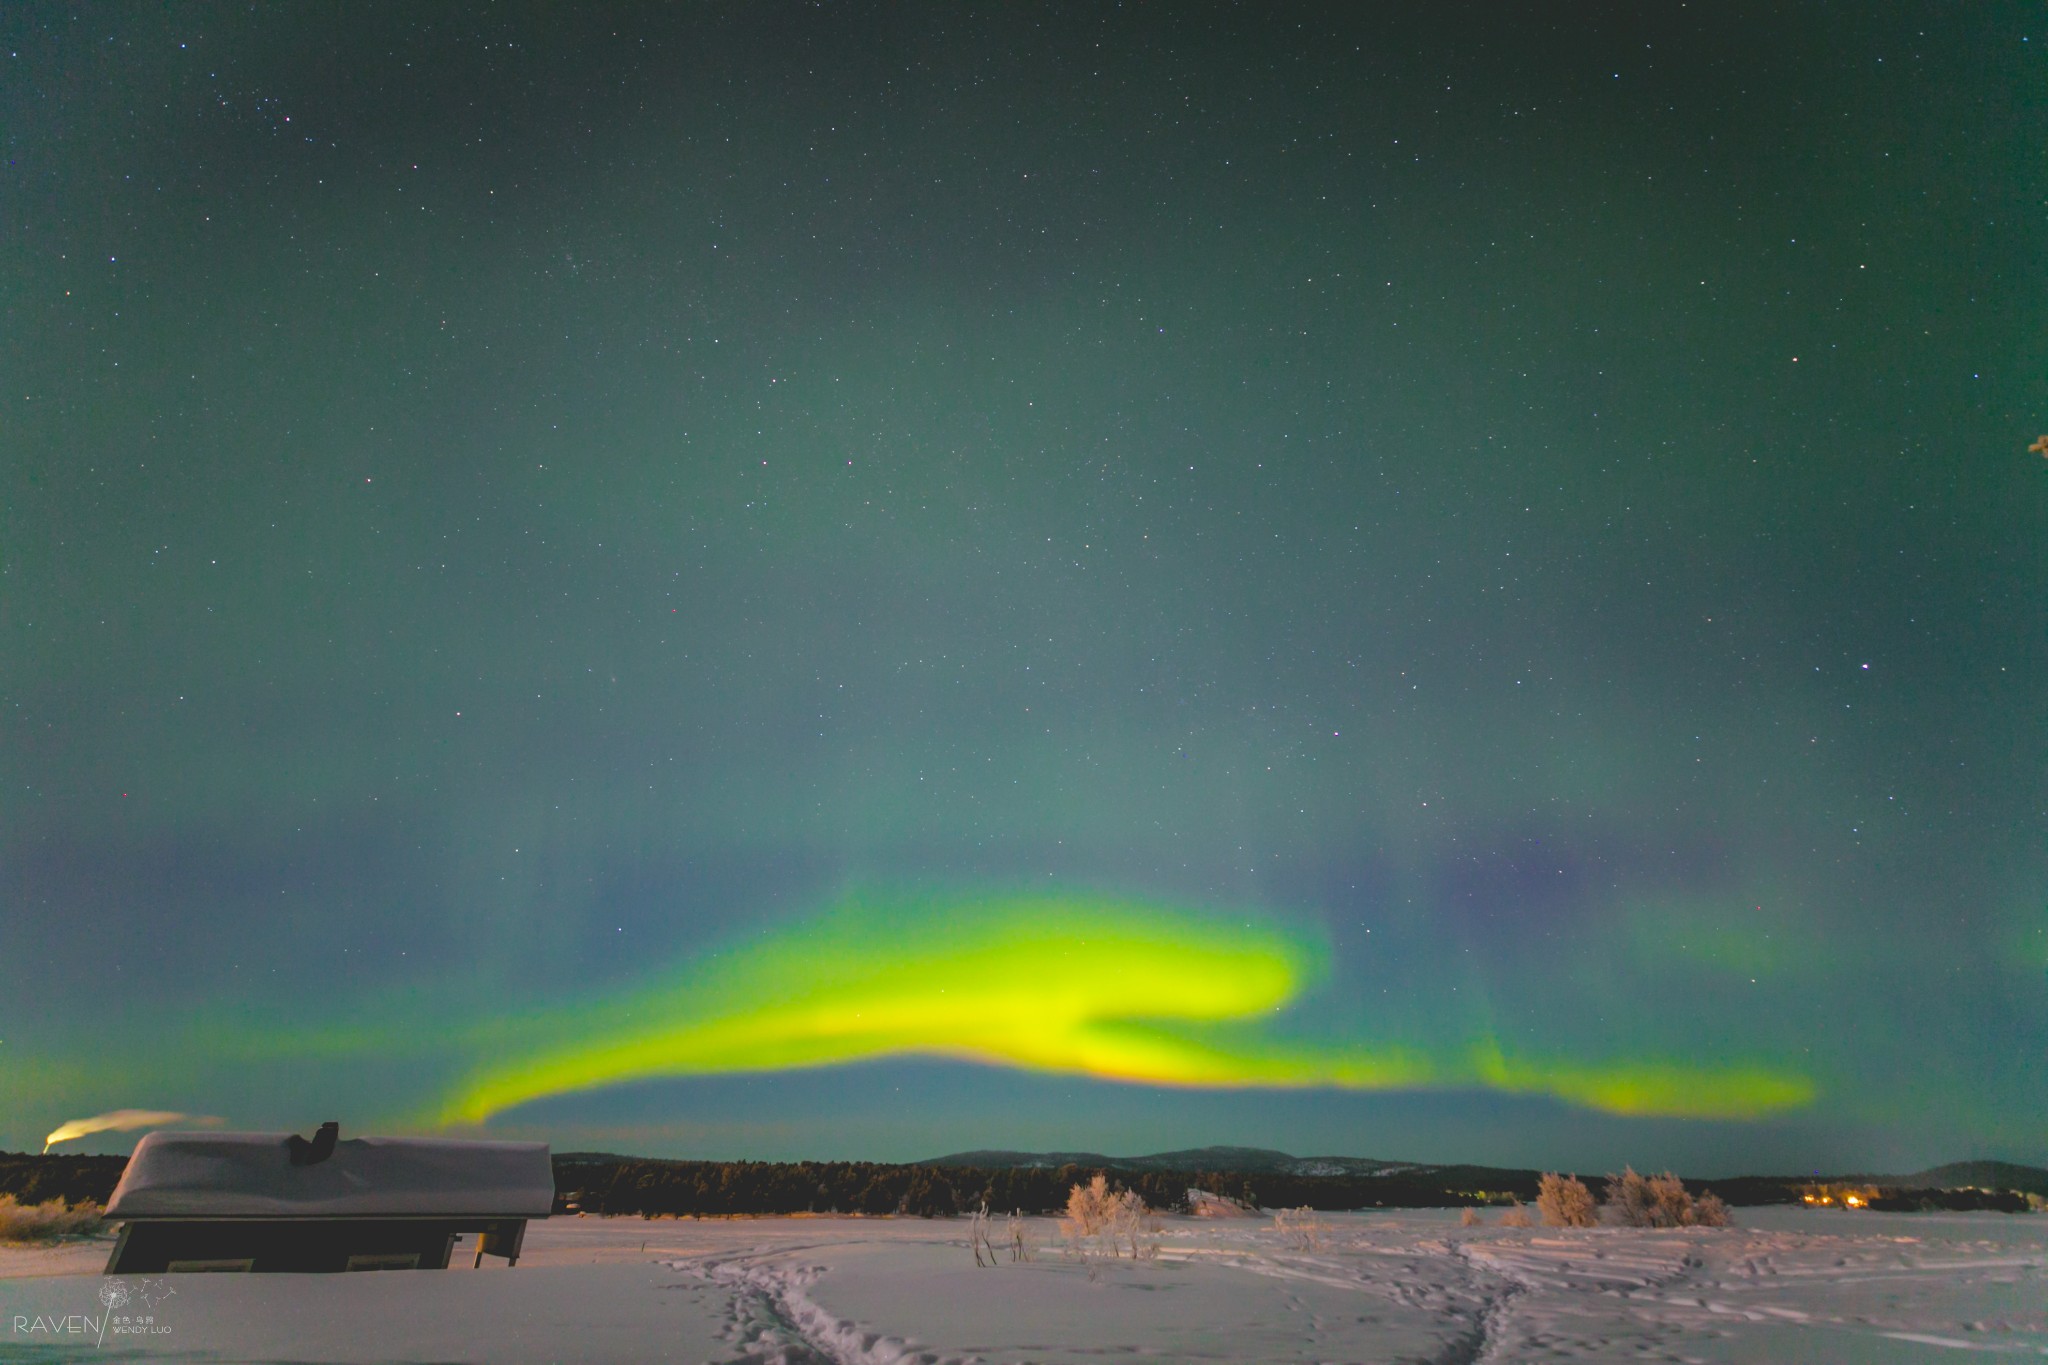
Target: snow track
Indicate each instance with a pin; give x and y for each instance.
(774, 1321)
(1388, 1288)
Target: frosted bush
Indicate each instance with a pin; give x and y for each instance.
(1517, 1216)
(46, 1222)
(1565, 1202)
(1709, 1212)
(978, 1239)
(1132, 1227)
(1469, 1218)
(1660, 1201)
(1100, 1219)
(1013, 1224)
(1631, 1201)
(1087, 1208)
(1300, 1228)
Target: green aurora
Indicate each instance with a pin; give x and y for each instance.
(1065, 984)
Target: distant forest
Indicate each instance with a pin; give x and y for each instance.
(634, 1185)
(631, 1185)
(592, 1183)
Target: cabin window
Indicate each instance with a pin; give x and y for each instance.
(385, 1260)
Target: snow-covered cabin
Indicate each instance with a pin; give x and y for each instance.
(275, 1201)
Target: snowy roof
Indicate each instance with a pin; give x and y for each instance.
(245, 1175)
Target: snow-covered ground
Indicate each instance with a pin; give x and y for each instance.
(1788, 1285)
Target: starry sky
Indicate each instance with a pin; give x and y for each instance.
(767, 580)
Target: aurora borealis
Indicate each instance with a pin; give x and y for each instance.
(1090, 986)
(759, 581)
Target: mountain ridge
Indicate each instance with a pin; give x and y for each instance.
(1253, 1160)
(1983, 1174)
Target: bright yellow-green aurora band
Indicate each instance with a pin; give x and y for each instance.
(1095, 987)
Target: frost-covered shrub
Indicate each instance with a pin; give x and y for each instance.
(1132, 1227)
(1631, 1201)
(1300, 1228)
(1709, 1212)
(46, 1222)
(1088, 1208)
(1565, 1202)
(1115, 1221)
(1019, 1244)
(1469, 1218)
(978, 1239)
(1517, 1216)
(1660, 1201)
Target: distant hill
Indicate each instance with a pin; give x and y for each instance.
(1249, 1160)
(1985, 1175)
(1263, 1160)
(1748, 1189)
(993, 1160)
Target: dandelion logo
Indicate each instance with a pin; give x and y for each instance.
(113, 1297)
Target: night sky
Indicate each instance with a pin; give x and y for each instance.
(772, 581)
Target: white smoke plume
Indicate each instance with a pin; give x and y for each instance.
(120, 1121)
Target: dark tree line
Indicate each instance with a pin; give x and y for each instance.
(1950, 1201)
(33, 1179)
(636, 1185)
(631, 1185)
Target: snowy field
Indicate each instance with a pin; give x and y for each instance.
(1787, 1285)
